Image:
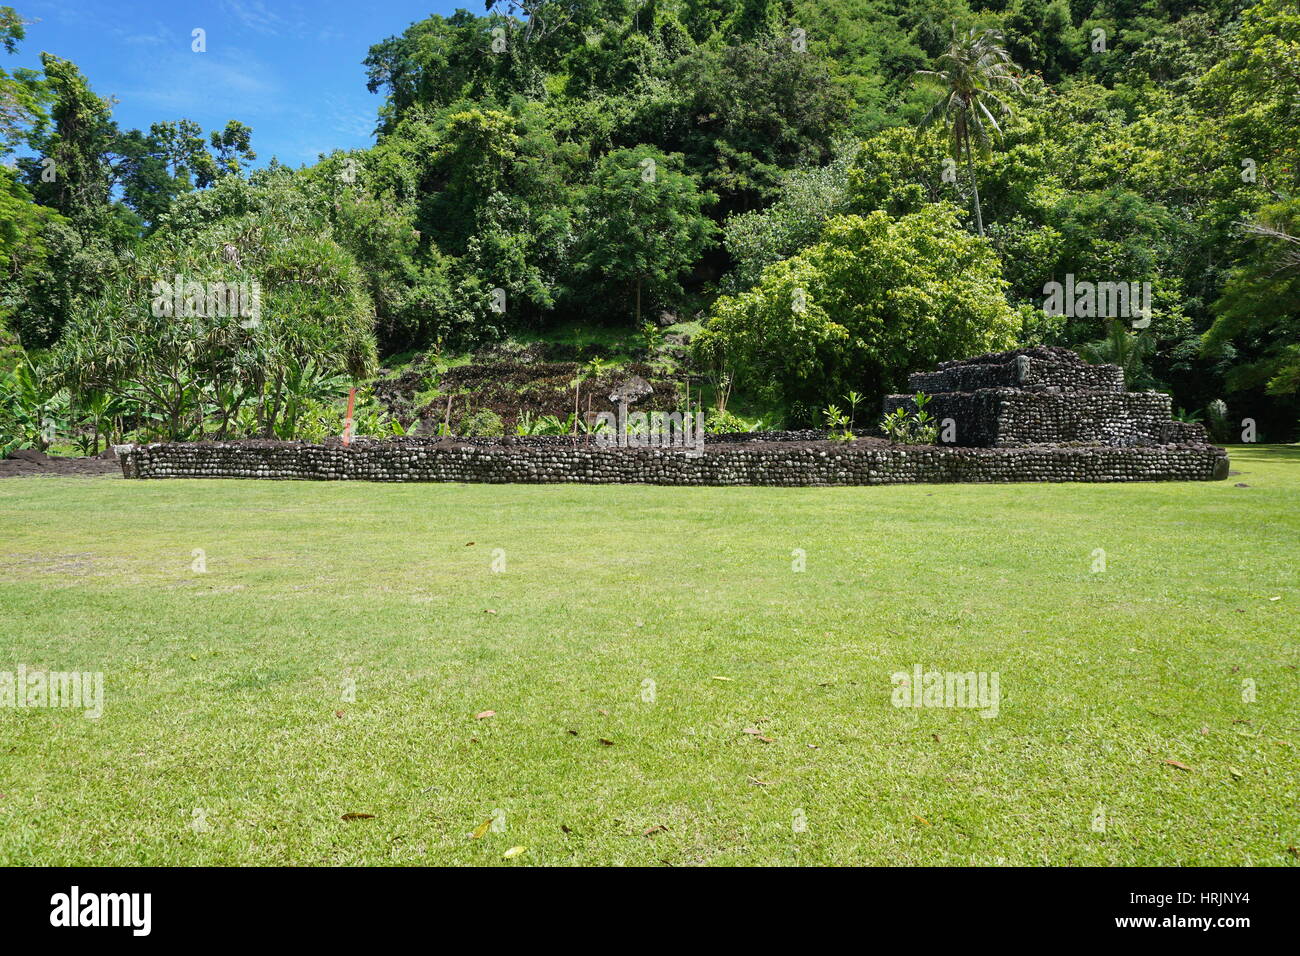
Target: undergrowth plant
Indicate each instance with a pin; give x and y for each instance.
(839, 425)
(911, 428)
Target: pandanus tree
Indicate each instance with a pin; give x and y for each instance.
(976, 73)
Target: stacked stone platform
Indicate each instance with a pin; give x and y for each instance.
(1043, 395)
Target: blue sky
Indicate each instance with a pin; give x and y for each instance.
(292, 71)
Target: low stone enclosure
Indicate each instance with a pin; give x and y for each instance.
(1038, 414)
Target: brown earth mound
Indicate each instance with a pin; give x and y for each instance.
(512, 388)
(28, 462)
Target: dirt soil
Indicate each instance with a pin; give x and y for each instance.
(28, 462)
(510, 388)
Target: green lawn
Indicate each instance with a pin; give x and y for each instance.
(225, 738)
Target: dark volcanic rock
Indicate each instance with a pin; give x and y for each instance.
(789, 462)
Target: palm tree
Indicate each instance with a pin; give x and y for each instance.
(1131, 351)
(974, 71)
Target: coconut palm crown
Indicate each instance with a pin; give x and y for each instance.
(977, 72)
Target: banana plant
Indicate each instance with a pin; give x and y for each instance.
(303, 382)
(33, 409)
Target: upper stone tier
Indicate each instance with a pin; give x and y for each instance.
(1042, 395)
(1037, 369)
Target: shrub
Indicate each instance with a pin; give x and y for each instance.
(725, 423)
(1216, 421)
(483, 423)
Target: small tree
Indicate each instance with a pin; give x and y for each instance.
(646, 224)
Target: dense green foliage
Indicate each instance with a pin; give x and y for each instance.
(1136, 141)
(312, 318)
(875, 297)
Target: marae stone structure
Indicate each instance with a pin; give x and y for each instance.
(1038, 414)
(1044, 395)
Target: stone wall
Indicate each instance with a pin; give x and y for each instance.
(1004, 418)
(725, 463)
(1184, 433)
(566, 441)
(1022, 371)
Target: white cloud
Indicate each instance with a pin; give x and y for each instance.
(216, 80)
(254, 15)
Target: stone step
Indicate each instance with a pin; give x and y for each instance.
(1020, 371)
(1006, 417)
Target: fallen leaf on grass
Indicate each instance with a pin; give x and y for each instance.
(338, 713)
(603, 712)
(716, 677)
(488, 610)
(1293, 850)
(485, 713)
(564, 829)
(607, 743)
(1179, 764)
(654, 829)
(469, 544)
(922, 820)
(574, 732)
(481, 829)
(358, 816)
(513, 852)
(1236, 774)
(936, 738)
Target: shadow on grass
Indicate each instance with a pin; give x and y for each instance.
(1269, 453)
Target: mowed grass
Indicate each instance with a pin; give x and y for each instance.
(226, 738)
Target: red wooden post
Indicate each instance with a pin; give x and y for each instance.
(347, 422)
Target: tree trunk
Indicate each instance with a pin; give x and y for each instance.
(273, 413)
(975, 189)
(638, 303)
